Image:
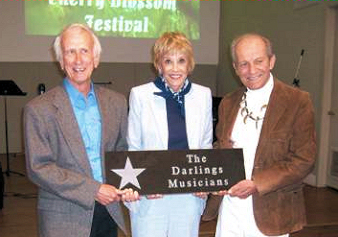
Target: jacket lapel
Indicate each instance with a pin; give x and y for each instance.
(276, 108)
(232, 115)
(159, 110)
(103, 104)
(193, 132)
(70, 129)
(104, 112)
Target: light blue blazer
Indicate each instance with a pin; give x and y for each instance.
(148, 130)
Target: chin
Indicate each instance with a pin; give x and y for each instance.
(252, 87)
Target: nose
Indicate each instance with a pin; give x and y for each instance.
(252, 68)
(78, 57)
(175, 66)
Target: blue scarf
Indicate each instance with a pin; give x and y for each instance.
(167, 93)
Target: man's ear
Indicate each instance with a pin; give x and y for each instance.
(272, 61)
(235, 68)
(96, 62)
(61, 64)
(234, 65)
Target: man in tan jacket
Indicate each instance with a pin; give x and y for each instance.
(274, 125)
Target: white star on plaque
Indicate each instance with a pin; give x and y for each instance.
(128, 174)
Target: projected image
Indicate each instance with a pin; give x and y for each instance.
(118, 18)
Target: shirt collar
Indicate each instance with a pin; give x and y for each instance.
(185, 84)
(77, 98)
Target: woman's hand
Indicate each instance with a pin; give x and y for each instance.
(202, 195)
(129, 195)
(154, 196)
(220, 193)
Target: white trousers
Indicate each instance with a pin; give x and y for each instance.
(236, 219)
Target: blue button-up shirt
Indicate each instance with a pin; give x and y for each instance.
(89, 120)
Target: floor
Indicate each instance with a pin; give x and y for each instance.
(18, 218)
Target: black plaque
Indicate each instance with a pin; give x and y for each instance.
(184, 171)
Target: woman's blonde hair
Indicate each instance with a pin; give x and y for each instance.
(172, 42)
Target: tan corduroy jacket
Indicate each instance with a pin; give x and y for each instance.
(285, 156)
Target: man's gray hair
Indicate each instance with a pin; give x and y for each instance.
(234, 43)
(57, 42)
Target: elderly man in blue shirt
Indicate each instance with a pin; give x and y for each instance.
(67, 131)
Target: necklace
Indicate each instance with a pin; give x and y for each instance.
(249, 114)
